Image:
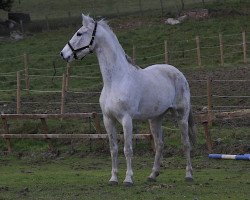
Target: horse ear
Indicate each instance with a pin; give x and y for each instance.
(86, 20)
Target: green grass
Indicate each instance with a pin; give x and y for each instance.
(43, 48)
(87, 178)
(38, 9)
(34, 173)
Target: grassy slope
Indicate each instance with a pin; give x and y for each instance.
(43, 49)
(77, 178)
(145, 31)
(86, 178)
(38, 9)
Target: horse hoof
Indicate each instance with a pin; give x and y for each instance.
(189, 179)
(128, 184)
(112, 183)
(150, 179)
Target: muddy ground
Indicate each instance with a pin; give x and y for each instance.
(232, 92)
(198, 88)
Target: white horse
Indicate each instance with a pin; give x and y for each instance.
(130, 92)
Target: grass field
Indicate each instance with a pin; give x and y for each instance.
(81, 169)
(87, 178)
(147, 34)
(38, 9)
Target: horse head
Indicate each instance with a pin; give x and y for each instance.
(82, 42)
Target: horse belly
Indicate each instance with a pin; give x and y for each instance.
(154, 103)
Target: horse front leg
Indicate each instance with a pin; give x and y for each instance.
(128, 150)
(111, 130)
(156, 130)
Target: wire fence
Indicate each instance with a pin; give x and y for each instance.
(201, 52)
(39, 89)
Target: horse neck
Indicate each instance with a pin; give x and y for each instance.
(111, 57)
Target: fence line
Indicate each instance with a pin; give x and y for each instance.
(231, 106)
(8, 75)
(197, 39)
(82, 92)
(9, 90)
(209, 47)
(44, 76)
(232, 80)
(167, 52)
(197, 55)
(198, 96)
(45, 91)
(40, 102)
(219, 96)
(63, 92)
(10, 58)
(49, 69)
(154, 56)
(147, 46)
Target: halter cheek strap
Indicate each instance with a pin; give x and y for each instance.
(75, 51)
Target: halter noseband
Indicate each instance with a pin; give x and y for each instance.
(85, 47)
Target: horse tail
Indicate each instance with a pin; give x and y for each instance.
(191, 128)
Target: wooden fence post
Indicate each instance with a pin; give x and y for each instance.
(21, 24)
(67, 77)
(70, 19)
(162, 8)
(6, 130)
(166, 51)
(209, 100)
(221, 50)
(18, 93)
(140, 5)
(63, 94)
(133, 54)
(47, 22)
(96, 119)
(93, 3)
(244, 44)
(26, 72)
(208, 136)
(197, 39)
(69, 15)
(45, 129)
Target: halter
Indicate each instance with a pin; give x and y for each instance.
(85, 47)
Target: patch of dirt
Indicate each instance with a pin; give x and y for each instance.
(24, 192)
(157, 186)
(228, 88)
(4, 188)
(226, 12)
(130, 24)
(222, 88)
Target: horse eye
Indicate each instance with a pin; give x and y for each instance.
(79, 34)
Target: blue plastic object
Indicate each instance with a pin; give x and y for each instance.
(233, 157)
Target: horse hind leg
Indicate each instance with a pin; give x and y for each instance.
(156, 130)
(182, 117)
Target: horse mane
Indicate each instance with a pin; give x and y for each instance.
(105, 25)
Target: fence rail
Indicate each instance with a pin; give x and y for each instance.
(209, 95)
(44, 117)
(197, 54)
(28, 74)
